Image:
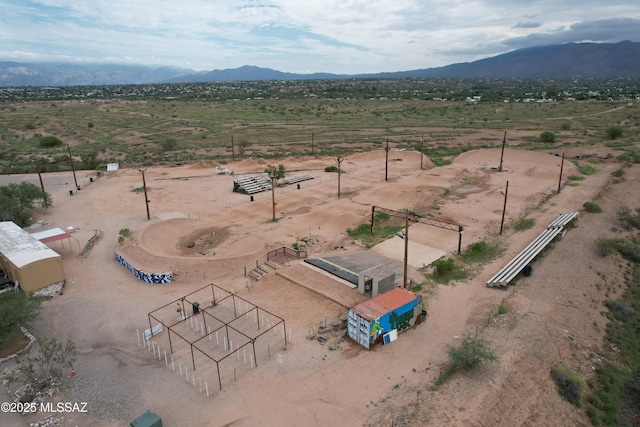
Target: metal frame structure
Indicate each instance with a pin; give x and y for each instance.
(225, 317)
(414, 217)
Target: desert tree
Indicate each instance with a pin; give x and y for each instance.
(17, 201)
(275, 173)
(16, 309)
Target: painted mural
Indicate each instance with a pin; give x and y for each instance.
(154, 278)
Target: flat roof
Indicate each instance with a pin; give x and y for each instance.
(51, 235)
(384, 303)
(20, 247)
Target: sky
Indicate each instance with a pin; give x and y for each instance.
(302, 36)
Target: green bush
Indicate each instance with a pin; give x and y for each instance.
(522, 224)
(471, 352)
(628, 219)
(331, 169)
(570, 385)
(439, 161)
(50, 141)
(591, 207)
(629, 249)
(586, 169)
(614, 132)
(548, 137)
(482, 252)
(443, 266)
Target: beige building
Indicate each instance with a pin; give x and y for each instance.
(26, 260)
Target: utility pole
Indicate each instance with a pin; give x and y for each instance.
(44, 193)
(406, 247)
(386, 163)
(233, 150)
(421, 150)
(561, 167)
(339, 160)
(73, 167)
(504, 142)
(312, 144)
(504, 207)
(144, 186)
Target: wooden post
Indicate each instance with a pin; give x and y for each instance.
(146, 199)
(373, 212)
(504, 208)
(406, 247)
(72, 166)
(233, 150)
(339, 160)
(44, 193)
(421, 150)
(504, 141)
(561, 168)
(386, 162)
(312, 144)
(273, 196)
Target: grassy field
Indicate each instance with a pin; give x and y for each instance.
(156, 131)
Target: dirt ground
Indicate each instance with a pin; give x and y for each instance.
(204, 233)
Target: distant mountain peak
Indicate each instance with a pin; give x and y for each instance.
(564, 60)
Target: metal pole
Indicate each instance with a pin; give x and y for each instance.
(386, 162)
(561, 168)
(44, 193)
(460, 230)
(504, 208)
(284, 330)
(72, 166)
(504, 141)
(406, 247)
(373, 212)
(192, 359)
(146, 198)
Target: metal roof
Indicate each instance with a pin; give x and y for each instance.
(20, 247)
(51, 235)
(384, 303)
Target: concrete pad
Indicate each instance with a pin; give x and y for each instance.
(419, 255)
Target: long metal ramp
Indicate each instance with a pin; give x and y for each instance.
(510, 271)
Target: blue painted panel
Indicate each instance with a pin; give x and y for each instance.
(154, 278)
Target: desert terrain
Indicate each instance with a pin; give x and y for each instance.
(553, 316)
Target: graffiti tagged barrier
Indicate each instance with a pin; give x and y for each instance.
(155, 278)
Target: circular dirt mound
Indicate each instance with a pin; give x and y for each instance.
(202, 240)
(181, 237)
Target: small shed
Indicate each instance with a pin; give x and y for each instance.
(382, 318)
(26, 260)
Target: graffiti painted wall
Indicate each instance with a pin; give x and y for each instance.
(155, 278)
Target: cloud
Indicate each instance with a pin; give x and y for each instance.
(357, 36)
(602, 31)
(527, 25)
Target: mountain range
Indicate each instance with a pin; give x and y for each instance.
(597, 60)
